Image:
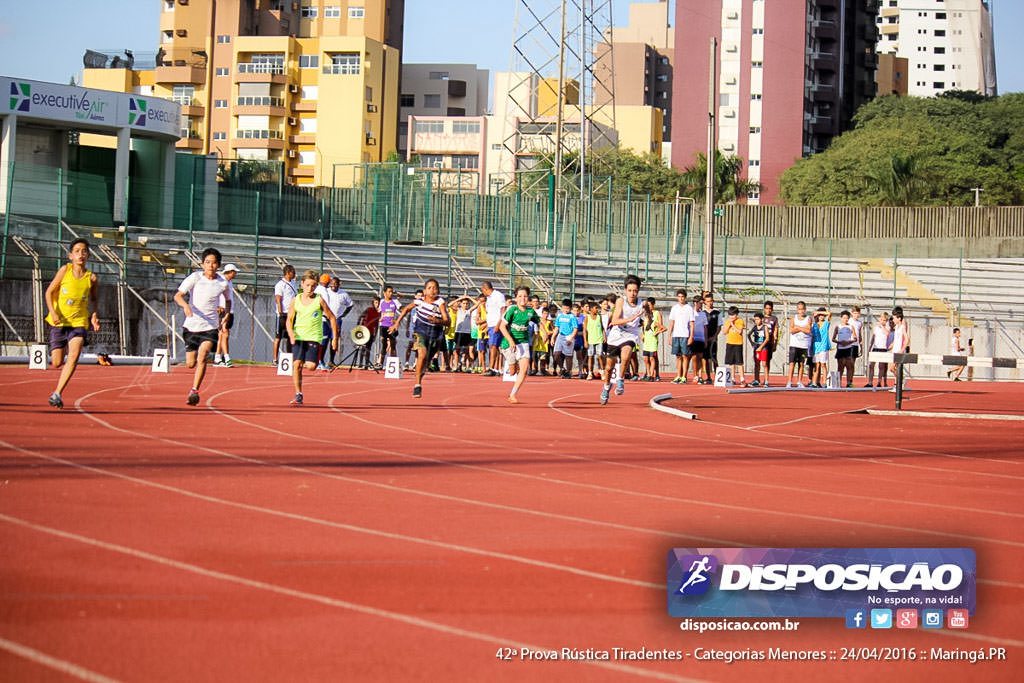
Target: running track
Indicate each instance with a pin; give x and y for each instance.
(367, 537)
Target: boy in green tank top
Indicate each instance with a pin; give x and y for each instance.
(305, 329)
(69, 297)
(515, 328)
(593, 339)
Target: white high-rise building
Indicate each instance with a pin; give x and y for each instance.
(948, 44)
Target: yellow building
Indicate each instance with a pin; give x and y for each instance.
(311, 84)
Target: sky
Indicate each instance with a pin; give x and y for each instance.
(445, 31)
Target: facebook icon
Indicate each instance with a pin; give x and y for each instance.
(856, 618)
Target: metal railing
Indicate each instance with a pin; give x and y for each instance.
(256, 101)
(260, 68)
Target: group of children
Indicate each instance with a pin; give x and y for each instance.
(488, 334)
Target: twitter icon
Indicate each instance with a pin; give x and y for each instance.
(881, 618)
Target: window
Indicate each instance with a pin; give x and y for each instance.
(661, 77)
(220, 136)
(939, 85)
(438, 75)
(754, 162)
(407, 100)
(756, 97)
(308, 12)
(431, 160)
(346, 63)
(754, 130)
(940, 15)
(428, 127)
(758, 31)
(168, 5)
(724, 99)
(753, 195)
(310, 92)
(757, 65)
(220, 104)
(431, 101)
(496, 146)
(369, 94)
(307, 125)
(403, 128)
(356, 12)
(940, 33)
(939, 67)
(940, 50)
(167, 37)
(183, 94)
(465, 128)
(222, 71)
(664, 61)
(332, 12)
(223, 39)
(465, 161)
(307, 158)
(309, 61)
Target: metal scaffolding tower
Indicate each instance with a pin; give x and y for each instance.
(559, 96)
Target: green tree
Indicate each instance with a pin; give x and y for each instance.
(902, 181)
(730, 186)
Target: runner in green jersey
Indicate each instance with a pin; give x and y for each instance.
(515, 328)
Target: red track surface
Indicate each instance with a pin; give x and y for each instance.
(365, 536)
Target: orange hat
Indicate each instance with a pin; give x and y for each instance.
(325, 279)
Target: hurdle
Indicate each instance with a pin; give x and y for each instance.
(901, 359)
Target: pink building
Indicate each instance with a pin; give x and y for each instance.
(791, 75)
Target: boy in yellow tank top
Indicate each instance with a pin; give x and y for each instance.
(71, 294)
(305, 330)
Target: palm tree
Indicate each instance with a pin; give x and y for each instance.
(729, 185)
(901, 181)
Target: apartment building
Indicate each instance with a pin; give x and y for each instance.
(309, 83)
(440, 90)
(791, 75)
(948, 44)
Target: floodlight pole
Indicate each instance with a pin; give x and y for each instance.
(709, 207)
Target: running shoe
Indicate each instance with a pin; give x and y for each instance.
(513, 399)
(193, 397)
(604, 395)
(620, 388)
(56, 401)
(297, 401)
(755, 383)
(789, 385)
(417, 391)
(228, 363)
(217, 362)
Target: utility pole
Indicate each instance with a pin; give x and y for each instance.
(709, 207)
(977, 195)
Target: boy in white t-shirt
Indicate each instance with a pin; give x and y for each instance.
(680, 320)
(956, 349)
(204, 289)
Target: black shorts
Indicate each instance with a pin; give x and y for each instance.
(798, 355)
(697, 347)
(711, 351)
(463, 339)
(856, 352)
(227, 321)
(60, 336)
(305, 351)
(193, 340)
(733, 354)
(616, 351)
(650, 354)
(845, 353)
(429, 344)
(282, 326)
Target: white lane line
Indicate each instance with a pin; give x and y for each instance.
(947, 416)
(549, 480)
(49, 661)
(320, 599)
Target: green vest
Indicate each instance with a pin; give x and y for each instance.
(308, 323)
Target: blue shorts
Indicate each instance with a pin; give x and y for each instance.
(481, 344)
(680, 347)
(60, 336)
(494, 336)
(305, 351)
(577, 343)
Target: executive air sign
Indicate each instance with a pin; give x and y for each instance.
(87, 106)
(816, 582)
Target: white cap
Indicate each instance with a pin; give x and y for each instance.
(231, 267)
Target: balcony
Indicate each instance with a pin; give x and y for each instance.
(260, 139)
(870, 60)
(824, 30)
(822, 61)
(820, 92)
(304, 106)
(302, 139)
(456, 88)
(189, 139)
(190, 106)
(181, 74)
(259, 106)
(301, 172)
(261, 72)
(819, 125)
